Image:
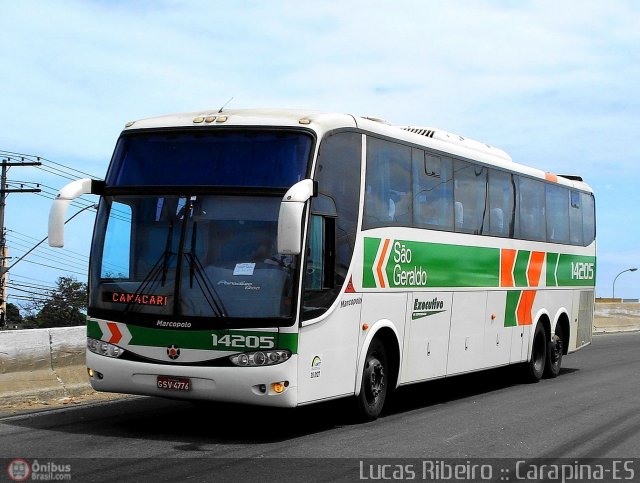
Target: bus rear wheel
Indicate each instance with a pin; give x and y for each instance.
(374, 386)
(554, 354)
(536, 366)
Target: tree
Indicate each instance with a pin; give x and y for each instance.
(13, 314)
(64, 307)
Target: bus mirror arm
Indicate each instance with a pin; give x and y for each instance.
(60, 205)
(290, 217)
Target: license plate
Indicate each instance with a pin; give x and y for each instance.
(174, 383)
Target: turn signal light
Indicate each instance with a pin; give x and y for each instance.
(278, 387)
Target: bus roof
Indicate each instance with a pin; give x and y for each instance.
(322, 122)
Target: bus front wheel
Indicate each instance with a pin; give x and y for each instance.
(374, 386)
(535, 367)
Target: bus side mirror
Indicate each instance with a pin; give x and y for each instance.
(59, 208)
(290, 217)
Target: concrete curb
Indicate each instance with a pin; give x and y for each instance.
(41, 364)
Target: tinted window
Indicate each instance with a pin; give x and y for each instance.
(470, 184)
(575, 219)
(388, 198)
(588, 218)
(531, 210)
(432, 191)
(501, 204)
(272, 159)
(557, 213)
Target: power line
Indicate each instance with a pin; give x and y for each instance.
(57, 268)
(83, 259)
(13, 275)
(45, 161)
(68, 263)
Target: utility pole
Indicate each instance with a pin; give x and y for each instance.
(4, 191)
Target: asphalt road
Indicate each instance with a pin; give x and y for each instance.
(590, 410)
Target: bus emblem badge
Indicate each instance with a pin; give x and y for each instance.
(173, 352)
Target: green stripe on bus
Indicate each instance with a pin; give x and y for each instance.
(422, 264)
(371, 246)
(447, 265)
(288, 341)
(93, 330)
(520, 269)
(224, 340)
(511, 307)
(552, 260)
(576, 270)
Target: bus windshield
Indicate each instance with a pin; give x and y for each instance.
(186, 256)
(226, 157)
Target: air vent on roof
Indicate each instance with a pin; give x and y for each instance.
(448, 137)
(572, 177)
(423, 132)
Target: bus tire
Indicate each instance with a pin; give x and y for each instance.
(375, 379)
(554, 354)
(534, 369)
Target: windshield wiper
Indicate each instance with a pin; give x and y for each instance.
(160, 266)
(167, 254)
(197, 269)
(150, 279)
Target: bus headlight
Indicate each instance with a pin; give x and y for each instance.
(260, 358)
(103, 348)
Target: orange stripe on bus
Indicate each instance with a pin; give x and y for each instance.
(507, 259)
(385, 246)
(535, 268)
(525, 307)
(551, 177)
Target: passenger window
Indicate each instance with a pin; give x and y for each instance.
(531, 212)
(557, 213)
(388, 199)
(575, 219)
(588, 218)
(314, 271)
(432, 191)
(470, 188)
(501, 204)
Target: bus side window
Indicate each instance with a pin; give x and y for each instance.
(557, 213)
(432, 191)
(588, 219)
(470, 184)
(501, 204)
(314, 270)
(531, 210)
(575, 219)
(388, 193)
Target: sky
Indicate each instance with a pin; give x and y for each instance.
(555, 84)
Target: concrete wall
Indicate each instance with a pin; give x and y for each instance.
(42, 363)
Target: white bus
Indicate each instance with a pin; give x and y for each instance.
(283, 258)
